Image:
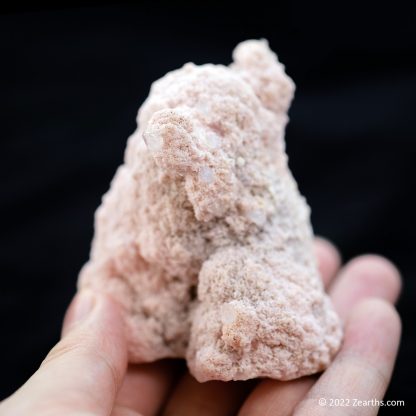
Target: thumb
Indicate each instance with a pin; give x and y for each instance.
(82, 373)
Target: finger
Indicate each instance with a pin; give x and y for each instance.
(83, 372)
(272, 397)
(146, 386)
(328, 258)
(362, 369)
(365, 276)
(217, 398)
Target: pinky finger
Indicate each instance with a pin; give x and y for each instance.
(362, 369)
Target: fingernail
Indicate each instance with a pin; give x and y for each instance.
(84, 303)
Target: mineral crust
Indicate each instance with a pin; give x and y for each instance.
(204, 238)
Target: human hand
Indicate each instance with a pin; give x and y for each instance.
(86, 372)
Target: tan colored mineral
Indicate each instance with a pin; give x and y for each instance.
(203, 237)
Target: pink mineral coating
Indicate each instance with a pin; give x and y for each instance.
(203, 237)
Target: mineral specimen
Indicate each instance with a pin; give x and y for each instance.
(203, 237)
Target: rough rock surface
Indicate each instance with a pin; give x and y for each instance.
(203, 236)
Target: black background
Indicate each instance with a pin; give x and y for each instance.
(71, 80)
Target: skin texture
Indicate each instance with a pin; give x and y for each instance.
(204, 238)
(86, 373)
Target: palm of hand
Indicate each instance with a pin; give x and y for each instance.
(86, 372)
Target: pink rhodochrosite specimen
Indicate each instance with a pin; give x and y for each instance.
(203, 237)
